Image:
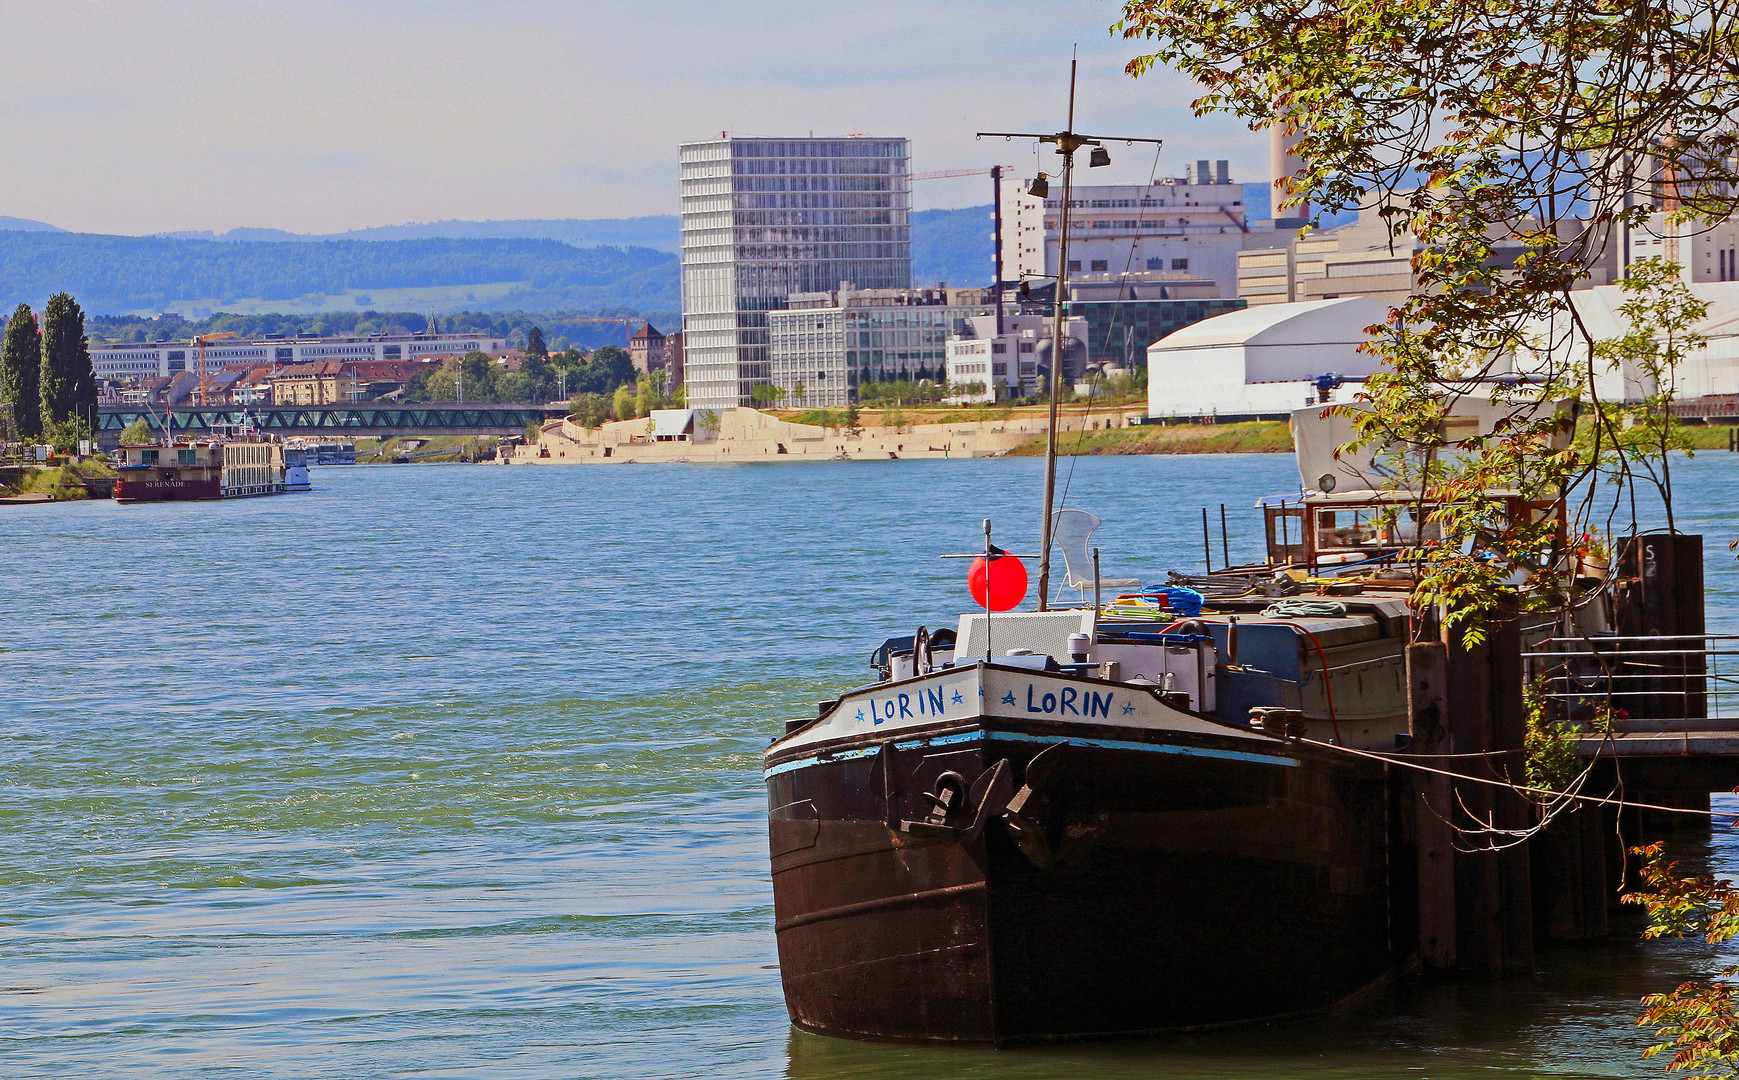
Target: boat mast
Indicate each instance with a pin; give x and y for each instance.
(1055, 375)
(1067, 142)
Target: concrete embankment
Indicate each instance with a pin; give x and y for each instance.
(748, 435)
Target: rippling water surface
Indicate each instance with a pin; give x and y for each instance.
(453, 772)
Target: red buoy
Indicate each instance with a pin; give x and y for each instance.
(998, 584)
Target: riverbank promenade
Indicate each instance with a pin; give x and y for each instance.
(749, 435)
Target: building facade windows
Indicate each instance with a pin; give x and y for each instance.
(763, 219)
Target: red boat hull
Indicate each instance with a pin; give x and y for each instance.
(155, 488)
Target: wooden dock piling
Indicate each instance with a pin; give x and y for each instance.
(1475, 903)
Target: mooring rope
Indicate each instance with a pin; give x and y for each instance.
(1404, 763)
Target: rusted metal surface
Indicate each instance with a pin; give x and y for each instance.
(1072, 892)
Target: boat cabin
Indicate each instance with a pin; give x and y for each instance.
(201, 469)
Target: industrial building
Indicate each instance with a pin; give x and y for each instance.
(1264, 360)
(1709, 372)
(1271, 358)
(1119, 331)
(765, 218)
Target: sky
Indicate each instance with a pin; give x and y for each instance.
(324, 115)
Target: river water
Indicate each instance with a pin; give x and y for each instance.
(452, 771)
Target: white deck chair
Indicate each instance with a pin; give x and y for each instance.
(1071, 530)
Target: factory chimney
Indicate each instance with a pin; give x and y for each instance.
(1283, 164)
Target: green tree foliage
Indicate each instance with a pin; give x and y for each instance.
(1504, 142)
(765, 395)
(1698, 1022)
(608, 368)
(138, 433)
(537, 379)
(68, 386)
(20, 376)
(623, 404)
(588, 410)
(64, 435)
(475, 375)
(534, 345)
(649, 392)
(1660, 311)
(881, 392)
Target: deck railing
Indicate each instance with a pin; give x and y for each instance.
(1639, 682)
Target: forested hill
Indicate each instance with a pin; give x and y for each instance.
(117, 274)
(244, 272)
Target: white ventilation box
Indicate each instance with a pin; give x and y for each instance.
(1044, 632)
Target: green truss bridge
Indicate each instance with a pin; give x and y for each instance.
(433, 418)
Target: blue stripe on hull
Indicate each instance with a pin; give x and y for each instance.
(1013, 736)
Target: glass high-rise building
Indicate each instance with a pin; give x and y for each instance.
(765, 218)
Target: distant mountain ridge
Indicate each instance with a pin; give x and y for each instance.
(626, 264)
(660, 232)
(18, 224)
(947, 245)
(144, 274)
(531, 265)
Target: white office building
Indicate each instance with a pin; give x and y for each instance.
(1011, 357)
(827, 344)
(763, 219)
(162, 358)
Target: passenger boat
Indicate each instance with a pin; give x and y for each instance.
(332, 453)
(296, 467)
(235, 463)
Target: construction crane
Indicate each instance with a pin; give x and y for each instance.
(944, 174)
(627, 325)
(199, 344)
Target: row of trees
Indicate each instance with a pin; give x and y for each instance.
(875, 393)
(631, 400)
(560, 329)
(540, 377)
(47, 387)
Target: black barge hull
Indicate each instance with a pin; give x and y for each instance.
(1134, 882)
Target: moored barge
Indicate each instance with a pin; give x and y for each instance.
(203, 469)
(1131, 816)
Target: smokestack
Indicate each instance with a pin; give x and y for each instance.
(1283, 165)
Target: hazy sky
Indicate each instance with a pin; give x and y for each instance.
(323, 115)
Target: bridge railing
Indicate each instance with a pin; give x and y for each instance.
(1638, 682)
